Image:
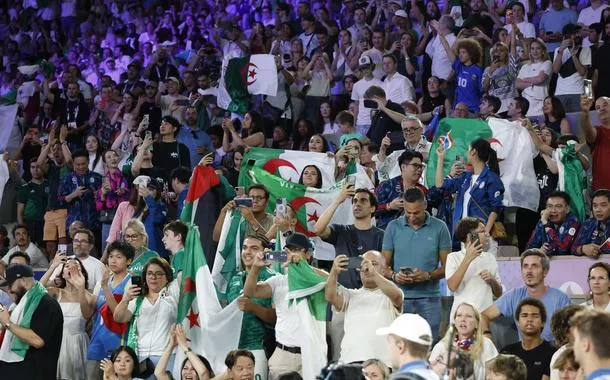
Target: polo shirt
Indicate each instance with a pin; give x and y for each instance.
(417, 249)
(398, 88)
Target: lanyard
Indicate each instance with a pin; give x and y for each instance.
(69, 116)
(159, 72)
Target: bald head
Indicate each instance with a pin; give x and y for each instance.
(373, 256)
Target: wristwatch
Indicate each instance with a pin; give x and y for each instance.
(429, 276)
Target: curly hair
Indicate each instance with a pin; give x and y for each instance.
(560, 323)
(473, 48)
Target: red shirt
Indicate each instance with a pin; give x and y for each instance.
(601, 158)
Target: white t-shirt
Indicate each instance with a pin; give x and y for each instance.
(37, 259)
(441, 65)
(366, 310)
(288, 323)
(155, 320)
(589, 15)
(376, 56)
(473, 180)
(574, 83)
(472, 289)
(555, 372)
(439, 352)
(527, 28)
(536, 94)
(398, 88)
(94, 268)
(360, 87)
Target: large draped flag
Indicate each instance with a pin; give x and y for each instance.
(306, 293)
(513, 145)
(244, 76)
(572, 178)
(213, 331)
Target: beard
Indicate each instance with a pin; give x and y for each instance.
(19, 293)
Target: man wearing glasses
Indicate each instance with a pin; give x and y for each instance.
(389, 192)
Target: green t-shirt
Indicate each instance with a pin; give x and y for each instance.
(349, 136)
(35, 197)
(176, 261)
(137, 265)
(252, 328)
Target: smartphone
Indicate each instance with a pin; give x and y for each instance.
(354, 262)
(182, 102)
(459, 160)
(243, 202)
(240, 191)
(369, 103)
(276, 256)
(148, 135)
(474, 238)
(351, 180)
(62, 249)
(72, 125)
(588, 88)
(280, 207)
(136, 281)
(406, 270)
(145, 117)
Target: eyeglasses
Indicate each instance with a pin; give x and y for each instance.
(155, 274)
(417, 166)
(258, 197)
(131, 237)
(410, 130)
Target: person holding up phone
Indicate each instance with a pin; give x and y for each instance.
(472, 272)
(376, 304)
(197, 141)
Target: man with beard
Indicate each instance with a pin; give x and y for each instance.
(74, 113)
(160, 69)
(133, 84)
(32, 332)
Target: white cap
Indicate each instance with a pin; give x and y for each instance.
(364, 60)
(411, 327)
(401, 13)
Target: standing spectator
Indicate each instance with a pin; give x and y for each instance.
(534, 77)
(160, 69)
(591, 14)
(114, 190)
(557, 228)
(560, 327)
(386, 117)
(534, 269)
(74, 113)
(32, 202)
(535, 352)
(168, 152)
(309, 38)
(319, 77)
(96, 156)
(519, 20)
(363, 114)
(472, 273)
(154, 214)
(147, 105)
(137, 237)
(414, 265)
(173, 104)
(571, 63)
(590, 329)
(601, 62)
(180, 178)
(174, 237)
(78, 189)
(398, 88)
(358, 25)
(37, 345)
(12, 183)
(432, 100)
(552, 22)
(441, 63)
(191, 136)
(23, 244)
(499, 79)
(598, 138)
(592, 239)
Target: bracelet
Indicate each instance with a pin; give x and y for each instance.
(393, 276)
(187, 351)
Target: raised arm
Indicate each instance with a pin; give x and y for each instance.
(253, 288)
(331, 293)
(321, 227)
(585, 122)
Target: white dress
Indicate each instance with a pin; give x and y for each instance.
(73, 354)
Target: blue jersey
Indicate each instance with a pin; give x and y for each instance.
(593, 231)
(468, 89)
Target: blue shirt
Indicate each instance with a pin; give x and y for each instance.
(559, 237)
(419, 367)
(468, 89)
(600, 373)
(192, 139)
(554, 21)
(81, 208)
(593, 231)
(553, 299)
(417, 249)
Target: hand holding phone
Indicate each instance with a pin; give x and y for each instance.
(276, 257)
(354, 262)
(136, 281)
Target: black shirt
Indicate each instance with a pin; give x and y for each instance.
(547, 181)
(381, 124)
(537, 360)
(40, 363)
(601, 63)
(352, 242)
(154, 116)
(170, 155)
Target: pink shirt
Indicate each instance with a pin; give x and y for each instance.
(124, 212)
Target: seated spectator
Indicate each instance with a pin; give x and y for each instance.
(375, 369)
(560, 327)
(590, 330)
(555, 115)
(472, 273)
(240, 364)
(517, 108)
(489, 107)
(592, 239)
(557, 228)
(461, 111)
(376, 304)
(535, 267)
(599, 273)
(123, 364)
(23, 244)
(506, 367)
(302, 135)
(193, 367)
(567, 366)
(535, 352)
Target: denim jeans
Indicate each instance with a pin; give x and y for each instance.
(571, 102)
(428, 308)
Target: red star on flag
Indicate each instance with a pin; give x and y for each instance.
(189, 285)
(313, 217)
(252, 73)
(193, 318)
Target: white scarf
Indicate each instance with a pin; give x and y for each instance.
(6, 354)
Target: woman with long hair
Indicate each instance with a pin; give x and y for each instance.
(404, 52)
(258, 41)
(465, 334)
(150, 310)
(77, 306)
(94, 148)
(499, 79)
(252, 132)
(545, 167)
(432, 98)
(599, 286)
(122, 365)
(319, 77)
(534, 77)
(326, 122)
(480, 192)
(136, 236)
(194, 367)
(311, 176)
(375, 369)
(555, 115)
(302, 134)
(232, 168)
(318, 143)
(124, 114)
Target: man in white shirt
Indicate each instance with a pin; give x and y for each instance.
(22, 238)
(591, 14)
(173, 104)
(376, 52)
(308, 38)
(363, 114)
(359, 24)
(441, 65)
(287, 355)
(373, 306)
(571, 61)
(81, 245)
(527, 28)
(398, 88)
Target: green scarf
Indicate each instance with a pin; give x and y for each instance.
(132, 336)
(34, 295)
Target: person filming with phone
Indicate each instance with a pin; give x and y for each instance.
(386, 115)
(376, 304)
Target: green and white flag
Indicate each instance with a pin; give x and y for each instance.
(244, 76)
(306, 293)
(572, 178)
(513, 145)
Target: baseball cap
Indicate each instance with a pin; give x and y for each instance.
(155, 183)
(401, 13)
(15, 272)
(411, 327)
(298, 240)
(365, 60)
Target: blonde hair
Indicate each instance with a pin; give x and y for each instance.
(545, 54)
(138, 227)
(478, 340)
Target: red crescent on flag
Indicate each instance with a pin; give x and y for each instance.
(274, 164)
(494, 140)
(296, 204)
(246, 72)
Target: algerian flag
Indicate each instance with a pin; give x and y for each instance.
(213, 331)
(513, 145)
(571, 178)
(228, 254)
(306, 293)
(244, 76)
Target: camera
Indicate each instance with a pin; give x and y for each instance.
(340, 371)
